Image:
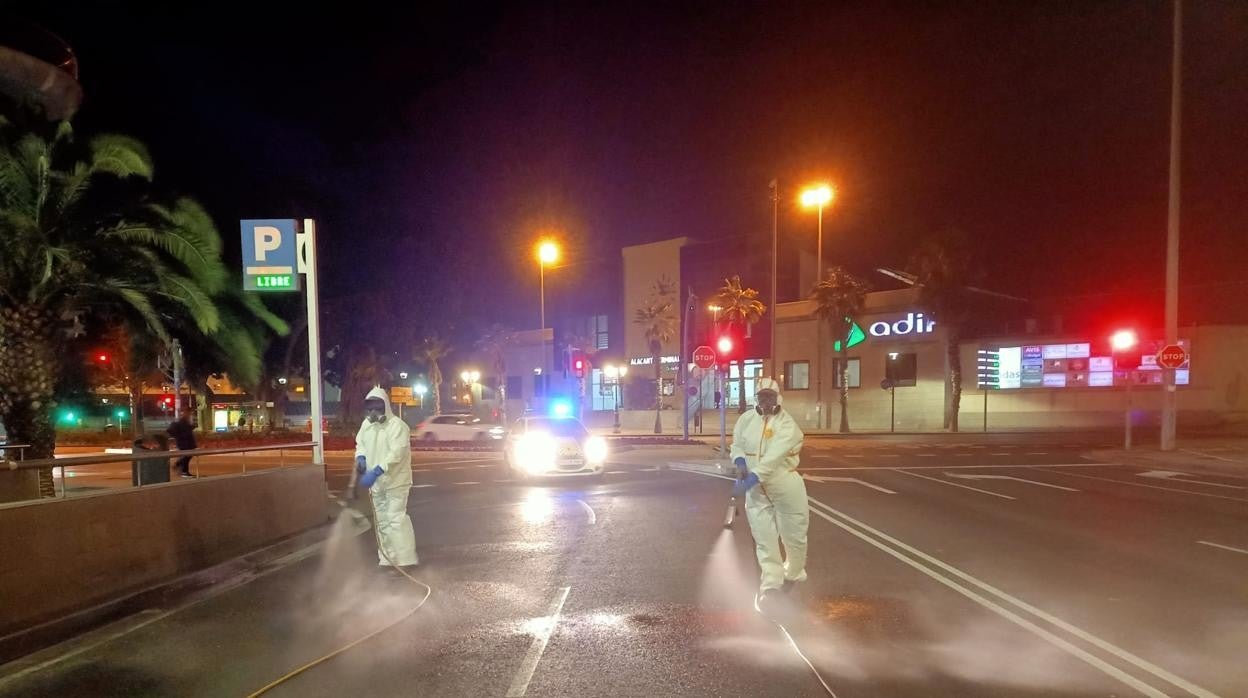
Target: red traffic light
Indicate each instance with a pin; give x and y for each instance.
(1124, 340)
(102, 358)
(724, 345)
(168, 399)
(578, 366)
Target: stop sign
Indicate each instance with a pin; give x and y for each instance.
(1172, 356)
(704, 357)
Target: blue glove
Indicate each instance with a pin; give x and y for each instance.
(741, 469)
(744, 485)
(367, 479)
(361, 464)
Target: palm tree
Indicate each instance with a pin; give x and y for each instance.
(742, 307)
(79, 231)
(839, 299)
(493, 343)
(432, 350)
(658, 322)
(942, 270)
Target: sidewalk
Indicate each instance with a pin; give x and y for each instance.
(1216, 456)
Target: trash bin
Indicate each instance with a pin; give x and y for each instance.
(148, 471)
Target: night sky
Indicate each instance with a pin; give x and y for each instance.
(434, 144)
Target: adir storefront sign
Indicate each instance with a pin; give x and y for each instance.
(911, 325)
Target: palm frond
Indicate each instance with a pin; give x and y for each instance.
(189, 295)
(141, 304)
(121, 156)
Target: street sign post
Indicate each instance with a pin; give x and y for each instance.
(275, 254)
(1172, 356)
(704, 357)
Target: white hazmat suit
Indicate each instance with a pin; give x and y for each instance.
(777, 508)
(387, 443)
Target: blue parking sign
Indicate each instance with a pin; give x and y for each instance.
(270, 255)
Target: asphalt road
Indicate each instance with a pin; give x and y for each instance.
(939, 567)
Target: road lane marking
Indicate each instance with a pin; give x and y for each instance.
(926, 455)
(1052, 638)
(890, 455)
(426, 485)
(1037, 453)
(1174, 475)
(593, 518)
(469, 482)
(972, 476)
(1140, 484)
(850, 455)
(520, 684)
(953, 484)
(1002, 453)
(1224, 547)
(1210, 455)
(824, 478)
(458, 467)
(964, 455)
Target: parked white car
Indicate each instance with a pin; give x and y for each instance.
(539, 446)
(457, 427)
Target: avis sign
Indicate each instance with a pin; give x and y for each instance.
(270, 255)
(911, 324)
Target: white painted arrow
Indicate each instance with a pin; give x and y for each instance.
(1177, 477)
(825, 478)
(1008, 477)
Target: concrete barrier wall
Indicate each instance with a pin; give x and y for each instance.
(60, 556)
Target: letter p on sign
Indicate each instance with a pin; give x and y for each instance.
(268, 239)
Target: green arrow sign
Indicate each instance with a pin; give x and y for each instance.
(856, 337)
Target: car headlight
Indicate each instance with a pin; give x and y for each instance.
(595, 449)
(535, 451)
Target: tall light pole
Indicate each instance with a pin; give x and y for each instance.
(775, 235)
(818, 196)
(614, 374)
(547, 253)
(1169, 398)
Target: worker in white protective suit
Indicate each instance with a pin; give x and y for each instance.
(383, 461)
(766, 444)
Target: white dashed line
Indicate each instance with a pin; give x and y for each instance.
(544, 628)
(954, 484)
(1224, 547)
(593, 518)
(466, 483)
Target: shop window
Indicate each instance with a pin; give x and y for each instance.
(855, 373)
(797, 375)
(902, 369)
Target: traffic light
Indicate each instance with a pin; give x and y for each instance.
(1127, 352)
(167, 401)
(578, 366)
(728, 346)
(102, 358)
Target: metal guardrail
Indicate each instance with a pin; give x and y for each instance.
(20, 448)
(137, 459)
(92, 459)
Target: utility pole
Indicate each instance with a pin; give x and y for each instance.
(1169, 398)
(176, 350)
(683, 366)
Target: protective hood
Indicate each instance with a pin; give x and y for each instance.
(768, 384)
(378, 393)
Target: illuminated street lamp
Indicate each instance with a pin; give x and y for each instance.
(547, 254)
(421, 389)
(818, 196)
(471, 380)
(403, 375)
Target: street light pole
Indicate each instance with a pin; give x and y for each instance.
(775, 214)
(1169, 398)
(818, 196)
